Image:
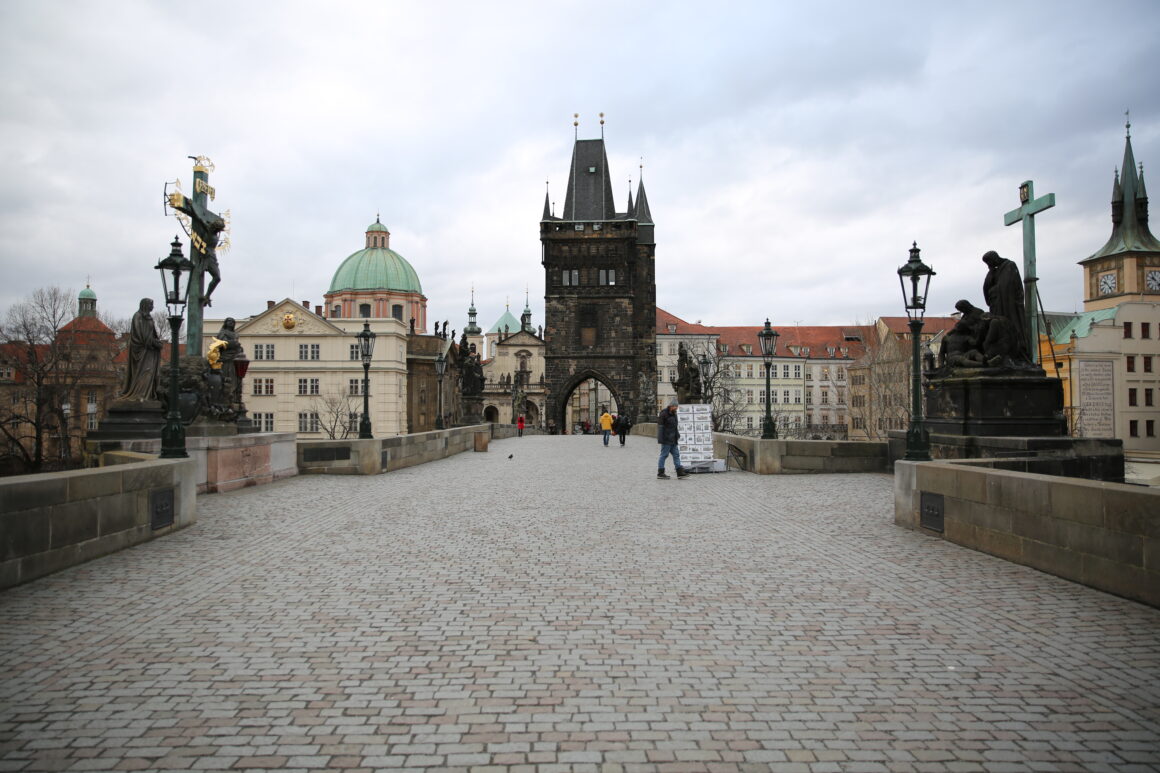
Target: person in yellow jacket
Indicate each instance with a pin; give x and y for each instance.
(606, 425)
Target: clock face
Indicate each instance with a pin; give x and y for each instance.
(1107, 284)
(1152, 280)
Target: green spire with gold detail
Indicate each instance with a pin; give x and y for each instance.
(472, 328)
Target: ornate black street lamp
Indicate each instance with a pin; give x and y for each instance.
(440, 369)
(768, 339)
(918, 275)
(366, 347)
(173, 433)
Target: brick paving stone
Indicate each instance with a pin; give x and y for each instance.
(522, 619)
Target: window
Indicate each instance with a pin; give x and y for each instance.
(364, 310)
(1148, 398)
(570, 277)
(1130, 362)
(841, 396)
(809, 397)
(1147, 363)
(672, 374)
(336, 311)
(308, 351)
(859, 423)
(797, 371)
(825, 396)
(352, 421)
(749, 370)
(809, 375)
(1132, 397)
(672, 348)
(264, 422)
(1150, 428)
(92, 422)
(785, 371)
(761, 397)
(1145, 329)
(355, 386)
(308, 422)
(784, 396)
(355, 352)
(264, 386)
(307, 386)
(797, 395)
(1127, 330)
(660, 375)
(606, 276)
(858, 401)
(749, 396)
(397, 311)
(840, 374)
(587, 325)
(825, 374)
(1134, 428)
(263, 351)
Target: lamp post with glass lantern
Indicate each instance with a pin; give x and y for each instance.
(366, 348)
(768, 340)
(918, 275)
(173, 433)
(440, 369)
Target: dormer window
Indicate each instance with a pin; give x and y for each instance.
(672, 328)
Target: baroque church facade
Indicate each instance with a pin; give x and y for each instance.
(305, 373)
(599, 291)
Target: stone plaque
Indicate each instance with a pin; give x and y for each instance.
(161, 508)
(1096, 399)
(931, 511)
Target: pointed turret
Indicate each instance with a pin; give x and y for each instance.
(1130, 232)
(472, 328)
(547, 208)
(526, 317)
(643, 216)
(631, 211)
(589, 195)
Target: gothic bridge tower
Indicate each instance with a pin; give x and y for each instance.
(599, 291)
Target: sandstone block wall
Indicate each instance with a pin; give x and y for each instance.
(1105, 535)
(52, 521)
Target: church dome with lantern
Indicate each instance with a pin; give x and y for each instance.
(377, 282)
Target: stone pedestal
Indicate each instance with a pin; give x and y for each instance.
(472, 411)
(130, 420)
(995, 406)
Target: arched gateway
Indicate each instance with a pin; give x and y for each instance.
(599, 290)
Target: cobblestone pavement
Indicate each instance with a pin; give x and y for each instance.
(561, 609)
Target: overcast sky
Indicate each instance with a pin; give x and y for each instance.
(792, 151)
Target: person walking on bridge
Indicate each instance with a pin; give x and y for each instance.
(667, 435)
(605, 425)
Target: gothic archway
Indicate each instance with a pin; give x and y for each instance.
(582, 401)
(491, 414)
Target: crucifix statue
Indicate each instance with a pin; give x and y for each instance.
(1029, 207)
(204, 229)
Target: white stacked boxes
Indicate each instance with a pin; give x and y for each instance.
(695, 423)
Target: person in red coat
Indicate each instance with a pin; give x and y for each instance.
(520, 426)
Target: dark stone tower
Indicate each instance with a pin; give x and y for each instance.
(599, 290)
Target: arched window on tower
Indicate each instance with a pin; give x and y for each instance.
(397, 311)
(364, 310)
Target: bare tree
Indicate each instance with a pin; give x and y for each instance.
(719, 386)
(338, 414)
(40, 415)
(880, 385)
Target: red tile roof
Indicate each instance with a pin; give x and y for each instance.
(817, 338)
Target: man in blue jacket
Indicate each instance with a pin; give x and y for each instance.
(667, 436)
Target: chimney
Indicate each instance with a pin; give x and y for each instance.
(269, 305)
(318, 309)
(306, 305)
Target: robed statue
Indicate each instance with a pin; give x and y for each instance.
(688, 381)
(144, 366)
(1003, 292)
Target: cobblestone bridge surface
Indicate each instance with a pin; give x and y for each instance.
(550, 605)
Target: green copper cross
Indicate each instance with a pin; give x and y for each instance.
(1026, 212)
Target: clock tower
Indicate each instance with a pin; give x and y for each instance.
(1127, 267)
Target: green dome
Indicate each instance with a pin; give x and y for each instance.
(87, 294)
(377, 226)
(376, 268)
